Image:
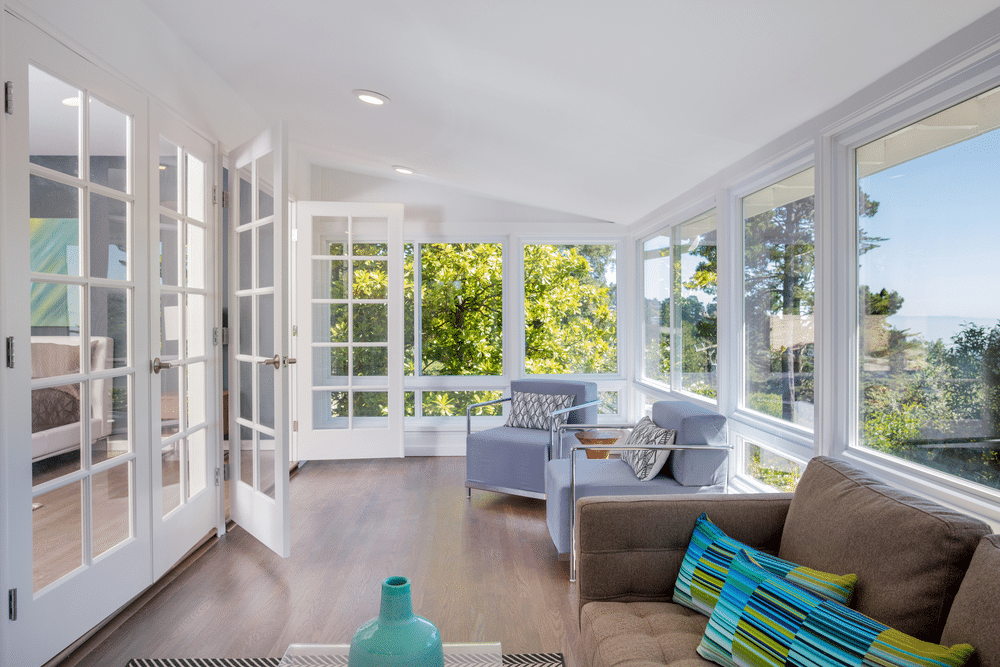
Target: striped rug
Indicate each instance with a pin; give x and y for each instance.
(509, 660)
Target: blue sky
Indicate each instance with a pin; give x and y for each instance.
(941, 216)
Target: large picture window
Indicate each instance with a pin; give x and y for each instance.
(929, 323)
(778, 298)
(570, 309)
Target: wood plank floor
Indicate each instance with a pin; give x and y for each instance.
(481, 570)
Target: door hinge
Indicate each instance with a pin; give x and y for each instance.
(225, 335)
(225, 471)
(295, 233)
(215, 194)
(8, 97)
(295, 425)
(225, 199)
(12, 604)
(295, 329)
(10, 352)
(218, 477)
(215, 336)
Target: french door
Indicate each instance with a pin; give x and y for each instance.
(349, 312)
(184, 425)
(75, 452)
(259, 328)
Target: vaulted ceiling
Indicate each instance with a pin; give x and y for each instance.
(606, 109)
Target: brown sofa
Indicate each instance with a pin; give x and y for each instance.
(922, 568)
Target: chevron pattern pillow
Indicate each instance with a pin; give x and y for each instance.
(528, 410)
(766, 621)
(647, 463)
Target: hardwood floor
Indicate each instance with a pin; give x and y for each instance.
(481, 570)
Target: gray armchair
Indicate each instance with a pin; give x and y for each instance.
(512, 460)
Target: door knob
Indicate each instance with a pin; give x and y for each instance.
(290, 360)
(158, 365)
(276, 362)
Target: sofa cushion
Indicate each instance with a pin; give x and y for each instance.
(766, 621)
(652, 633)
(647, 463)
(695, 425)
(706, 564)
(974, 614)
(909, 553)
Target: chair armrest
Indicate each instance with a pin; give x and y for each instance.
(631, 547)
(468, 411)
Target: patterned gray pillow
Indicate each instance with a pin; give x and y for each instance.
(647, 463)
(528, 410)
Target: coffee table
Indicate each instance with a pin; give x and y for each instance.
(335, 655)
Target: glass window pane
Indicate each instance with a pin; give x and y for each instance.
(331, 409)
(609, 403)
(330, 236)
(330, 366)
(778, 297)
(169, 174)
(196, 330)
(197, 462)
(109, 135)
(55, 228)
(109, 244)
(267, 478)
(245, 268)
(246, 196)
(54, 123)
(197, 394)
(409, 329)
(929, 349)
(371, 361)
(265, 255)
(246, 325)
(772, 469)
(170, 327)
(170, 391)
(112, 500)
(265, 325)
(111, 399)
(55, 418)
(371, 279)
(695, 297)
(170, 477)
(461, 297)
(169, 251)
(371, 323)
(196, 188)
(265, 394)
(246, 455)
(55, 311)
(196, 259)
(246, 386)
(371, 409)
(329, 279)
(109, 323)
(656, 271)
(454, 403)
(57, 533)
(570, 302)
(368, 237)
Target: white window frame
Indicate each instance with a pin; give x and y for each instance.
(838, 435)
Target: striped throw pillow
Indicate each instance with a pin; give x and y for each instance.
(706, 564)
(766, 621)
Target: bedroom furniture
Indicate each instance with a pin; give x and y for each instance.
(512, 460)
(921, 568)
(697, 463)
(56, 426)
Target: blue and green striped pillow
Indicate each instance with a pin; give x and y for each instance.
(706, 564)
(762, 620)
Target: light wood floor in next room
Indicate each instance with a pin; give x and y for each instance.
(481, 570)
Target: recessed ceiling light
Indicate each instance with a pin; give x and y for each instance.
(72, 101)
(403, 170)
(371, 97)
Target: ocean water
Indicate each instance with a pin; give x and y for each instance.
(933, 327)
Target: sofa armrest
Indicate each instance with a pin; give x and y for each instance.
(631, 547)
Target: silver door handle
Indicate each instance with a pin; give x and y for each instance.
(276, 362)
(158, 365)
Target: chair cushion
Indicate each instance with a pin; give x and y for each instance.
(706, 564)
(647, 463)
(585, 392)
(508, 458)
(695, 425)
(909, 553)
(764, 620)
(530, 410)
(640, 633)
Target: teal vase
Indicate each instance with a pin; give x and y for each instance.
(398, 637)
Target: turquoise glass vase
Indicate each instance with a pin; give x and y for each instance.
(398, 637)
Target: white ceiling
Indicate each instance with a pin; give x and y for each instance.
(601, 108)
